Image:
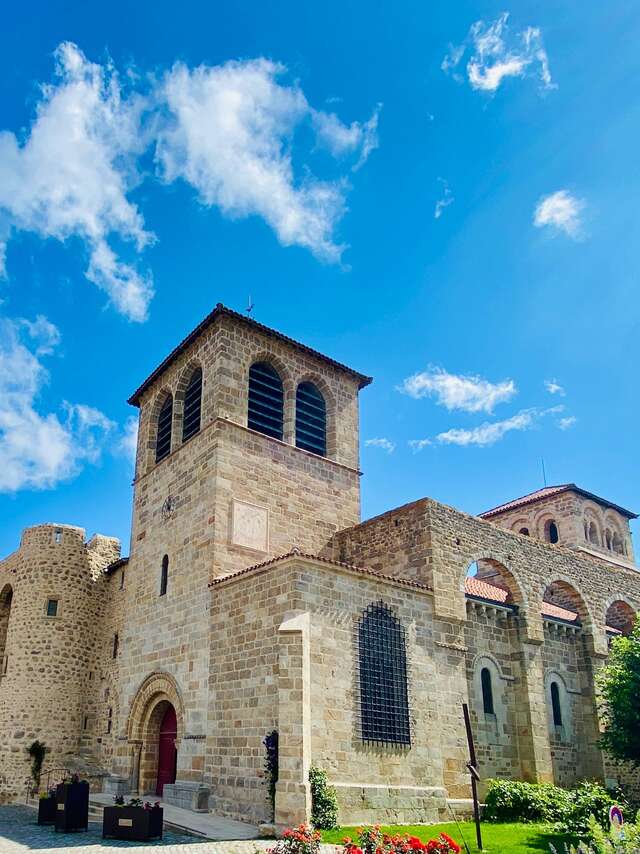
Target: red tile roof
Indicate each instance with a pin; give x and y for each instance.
(547, 492)
(222, 311)
(362, 570)
(480, 589)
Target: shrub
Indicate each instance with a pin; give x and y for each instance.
(271, 761)
(508, 800)
(37, 750)
(324, 801)
(511, 800)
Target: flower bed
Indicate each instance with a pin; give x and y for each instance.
(370, 840)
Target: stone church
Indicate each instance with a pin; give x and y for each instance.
(254, 599)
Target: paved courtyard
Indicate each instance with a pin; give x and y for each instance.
(20, 833)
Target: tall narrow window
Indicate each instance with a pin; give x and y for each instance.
(487, 691)
(116, 642)
(384, 700)
(266, 400)
(109, 719)
(551, 531)
(164, 575)
(52, 607)
(192, 406)
(122, 579)
(163, 435)
(555, 704)
(311, 419)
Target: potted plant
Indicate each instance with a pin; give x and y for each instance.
(72, 804)
(135, 820)
(47, 807)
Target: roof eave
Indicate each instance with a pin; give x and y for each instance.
(222, 311)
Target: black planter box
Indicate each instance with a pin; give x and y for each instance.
(132, 823)
(47, 810)
(72, 807)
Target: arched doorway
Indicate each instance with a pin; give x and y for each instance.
(155, 729)
(167, 752)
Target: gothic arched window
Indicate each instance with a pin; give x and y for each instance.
(164, 575)
(384, 696)
(556, 709)
(266, 400)
(192, 406)
(487, 691)
(311, 419)
(163, 434)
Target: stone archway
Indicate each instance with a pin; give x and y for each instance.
(157, 695)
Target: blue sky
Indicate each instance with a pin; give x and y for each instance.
(436, 194)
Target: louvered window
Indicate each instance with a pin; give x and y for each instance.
(384, 700)
(163, 436)
(311, 419)
(192, 406)
(266, 400)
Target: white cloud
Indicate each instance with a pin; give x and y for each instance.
(490, 432)
(446, 199)
(230, 136)
(43, 333)
(37, 450)
(566, 423)
(386, 444)
(560, 211)
(495, 54)
(71, 175)
(419, 444)
(341, 139)
(457, 391)
(228, 130)
(554, 387)
(128, 443)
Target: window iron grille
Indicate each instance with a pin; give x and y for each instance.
(384, 695)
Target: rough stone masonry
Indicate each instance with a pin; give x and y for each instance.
(253, 599)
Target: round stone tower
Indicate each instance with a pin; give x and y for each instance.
(50, 608)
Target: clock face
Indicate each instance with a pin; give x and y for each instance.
(168, 508)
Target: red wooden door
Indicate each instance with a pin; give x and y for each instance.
(167, 754)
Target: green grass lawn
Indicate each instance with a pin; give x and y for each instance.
(507, 838)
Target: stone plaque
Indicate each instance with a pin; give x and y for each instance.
(125, 822)
(250, 526)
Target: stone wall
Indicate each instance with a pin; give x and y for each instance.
(48, 658)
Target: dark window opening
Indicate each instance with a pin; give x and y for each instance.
(266, 400)
(85, 722)
(52, 607)
(555, 704)
(552, 532)
(487, 691)
(109, 720)
(163, 436)
(192, 406)
(58, 536)
(524, 531)
(384, 700)
(122, 580)
(164, 575)
(116, 642)
(311, 419)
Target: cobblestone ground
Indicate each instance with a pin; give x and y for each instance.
(20, 833)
